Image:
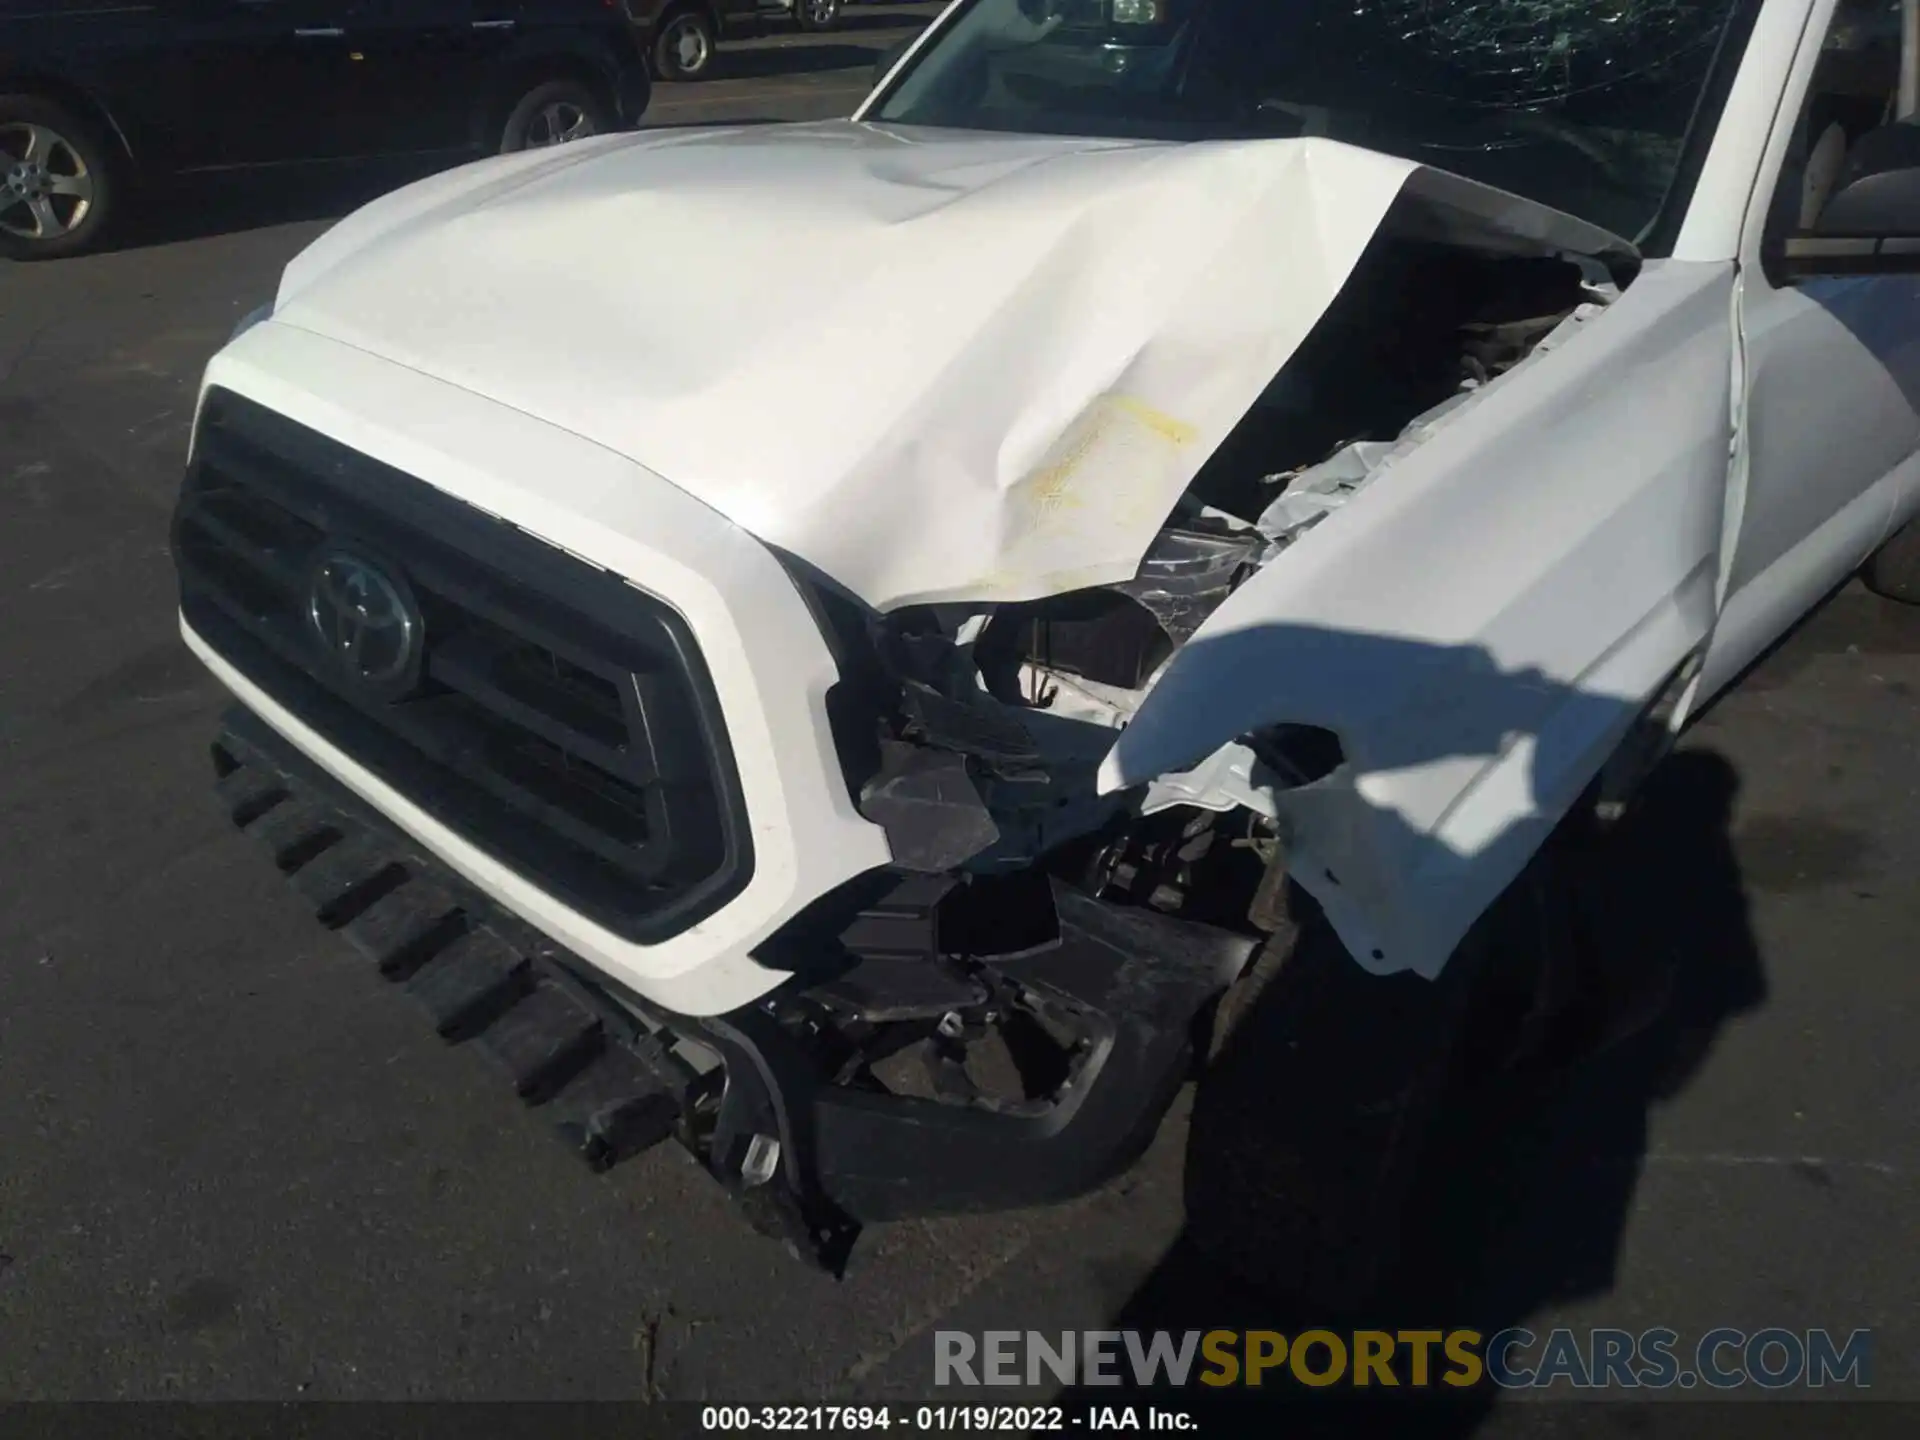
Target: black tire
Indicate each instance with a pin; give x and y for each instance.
(554, 112)
(817, 15)
(1894, 569)
(1312, 1117)
(684, 45)
(76, 156)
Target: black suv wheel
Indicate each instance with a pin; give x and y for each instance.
(554, 113)
(817, 14)
(58, 180)
(684, 45)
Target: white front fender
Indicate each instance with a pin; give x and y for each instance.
(1480, 625)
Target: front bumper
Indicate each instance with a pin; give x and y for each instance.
(810, 1156)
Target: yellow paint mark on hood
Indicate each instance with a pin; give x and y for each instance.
(1052, 487)
(1176, 432)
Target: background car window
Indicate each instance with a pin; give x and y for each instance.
(1856, 90)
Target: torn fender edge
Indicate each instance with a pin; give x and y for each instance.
(1482, 627)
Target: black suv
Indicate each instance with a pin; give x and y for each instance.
(98, 94)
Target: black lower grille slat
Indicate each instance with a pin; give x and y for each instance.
(543, 1042)
(548, 712)
(295, 833)
(606, 1087)
(249, 794)
(345, 878)
(469, 982)
(401, 931)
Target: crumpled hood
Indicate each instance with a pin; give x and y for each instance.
(933, 365)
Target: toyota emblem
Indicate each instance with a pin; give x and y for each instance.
(363, 618)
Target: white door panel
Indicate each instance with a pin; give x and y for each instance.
(1830, 411)
(1833, 375)
(1757, 613)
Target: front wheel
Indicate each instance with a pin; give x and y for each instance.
(1312, 1116)
(1894, 570)
(684, 47)
(552, 114)
(58, 180)
(817, 14)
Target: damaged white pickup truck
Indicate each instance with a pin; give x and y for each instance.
(877, 648)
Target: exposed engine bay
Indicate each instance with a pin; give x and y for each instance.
(973, 734)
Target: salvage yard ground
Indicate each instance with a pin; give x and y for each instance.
(231, 1165)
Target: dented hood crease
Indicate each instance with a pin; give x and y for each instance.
(932, 365)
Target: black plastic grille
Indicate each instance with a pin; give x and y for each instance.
(559, 718)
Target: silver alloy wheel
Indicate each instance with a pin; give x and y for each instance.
(687, 43)
(556, 123)
(822, 12)
(48, 189)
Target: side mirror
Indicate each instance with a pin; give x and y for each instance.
(1871, 225)
(889, 58)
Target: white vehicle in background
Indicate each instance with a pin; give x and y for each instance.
(1309, 461)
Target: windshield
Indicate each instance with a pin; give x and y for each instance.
(1583, 105)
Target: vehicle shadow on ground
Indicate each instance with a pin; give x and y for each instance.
(1525, 1204)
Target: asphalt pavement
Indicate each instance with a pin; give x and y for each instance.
(234, 1166)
